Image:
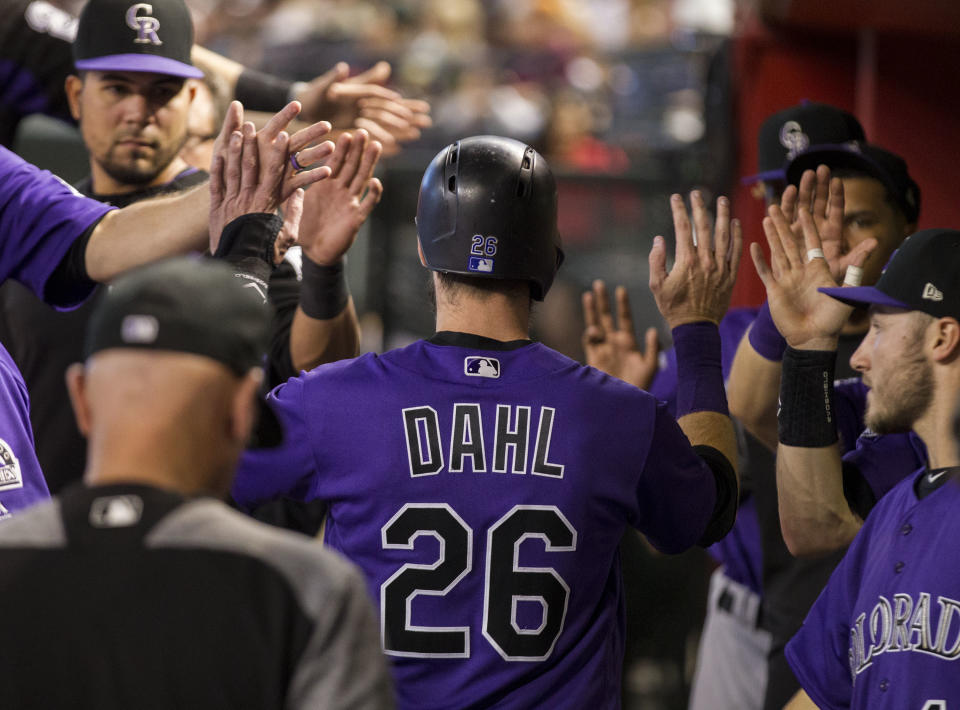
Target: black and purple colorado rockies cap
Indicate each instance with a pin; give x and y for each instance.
(189, 305)
(787, 133)
(920, 276)
(871, 160)
(119, 35)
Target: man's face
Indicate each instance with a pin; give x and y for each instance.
(894, 365)
(866, 213)
(133, 123)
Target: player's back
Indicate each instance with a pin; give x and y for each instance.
(484, 492)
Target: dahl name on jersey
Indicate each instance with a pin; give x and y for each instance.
(521, 441)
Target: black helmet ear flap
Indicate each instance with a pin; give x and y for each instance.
(488, 209)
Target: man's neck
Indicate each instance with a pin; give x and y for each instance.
(935, 428)
(102, 183)
(491, 318)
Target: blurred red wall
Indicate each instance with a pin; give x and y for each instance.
(903, 87)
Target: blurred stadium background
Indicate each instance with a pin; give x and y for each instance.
(630, 100)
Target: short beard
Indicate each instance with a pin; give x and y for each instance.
(913, 386)
(130, 174)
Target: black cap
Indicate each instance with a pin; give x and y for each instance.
(887, 167)
(191, 305)
(488, 209)
(119, 35)
(920, 276)
(787, 133)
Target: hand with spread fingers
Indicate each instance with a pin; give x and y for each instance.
(251, 171)
(807, 319)
(822, 197)
(700, 284)
(363, 101)
(335, 208)
(613, 348)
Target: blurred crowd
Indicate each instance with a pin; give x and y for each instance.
(595, 85)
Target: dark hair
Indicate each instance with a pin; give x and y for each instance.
(454, 285)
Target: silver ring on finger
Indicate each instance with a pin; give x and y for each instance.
(815, 254)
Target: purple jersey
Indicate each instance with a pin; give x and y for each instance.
(40, 218)
(885, 460)
(484, 492)
(885, 632)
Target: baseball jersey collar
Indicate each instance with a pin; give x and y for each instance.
(475, 342)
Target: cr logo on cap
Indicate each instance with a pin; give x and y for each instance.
(145, 25)
(793, 139)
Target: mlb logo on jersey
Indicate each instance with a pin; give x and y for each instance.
(481, 367)
(479, 263)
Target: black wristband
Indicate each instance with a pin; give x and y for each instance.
(323, 289)
(247, 244)
(806, 414)
(262, 92)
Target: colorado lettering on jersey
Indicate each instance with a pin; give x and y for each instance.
(904, 625)
(510, 452)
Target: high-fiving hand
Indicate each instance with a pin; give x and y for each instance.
(613, 348)
(700, 284)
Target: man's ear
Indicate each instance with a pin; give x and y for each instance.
(74, 87)
(77, 387)
(946, 344)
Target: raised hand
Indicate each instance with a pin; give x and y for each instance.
(806, 318)
(335, 208)
(362, 101)
(822, 197)
(613, 347)
(699, 286)
(251, 172)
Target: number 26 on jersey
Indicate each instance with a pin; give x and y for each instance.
(506, 582)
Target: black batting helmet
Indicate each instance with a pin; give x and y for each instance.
(488, 208)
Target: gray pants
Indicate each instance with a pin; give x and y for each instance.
(731, 669)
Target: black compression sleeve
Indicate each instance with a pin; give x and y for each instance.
(70, 283)
(725, 507)
(247, 245)
(262, 92)
(284, 295)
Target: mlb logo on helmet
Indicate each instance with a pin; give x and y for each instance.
(482, 367)
(145, 25)
(478, 263)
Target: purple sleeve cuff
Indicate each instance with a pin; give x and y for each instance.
(699, 369)
(764, 336)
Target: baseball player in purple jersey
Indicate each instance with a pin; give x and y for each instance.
(40, 219)
(884, 630)
(57, 243)
(483, 481)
